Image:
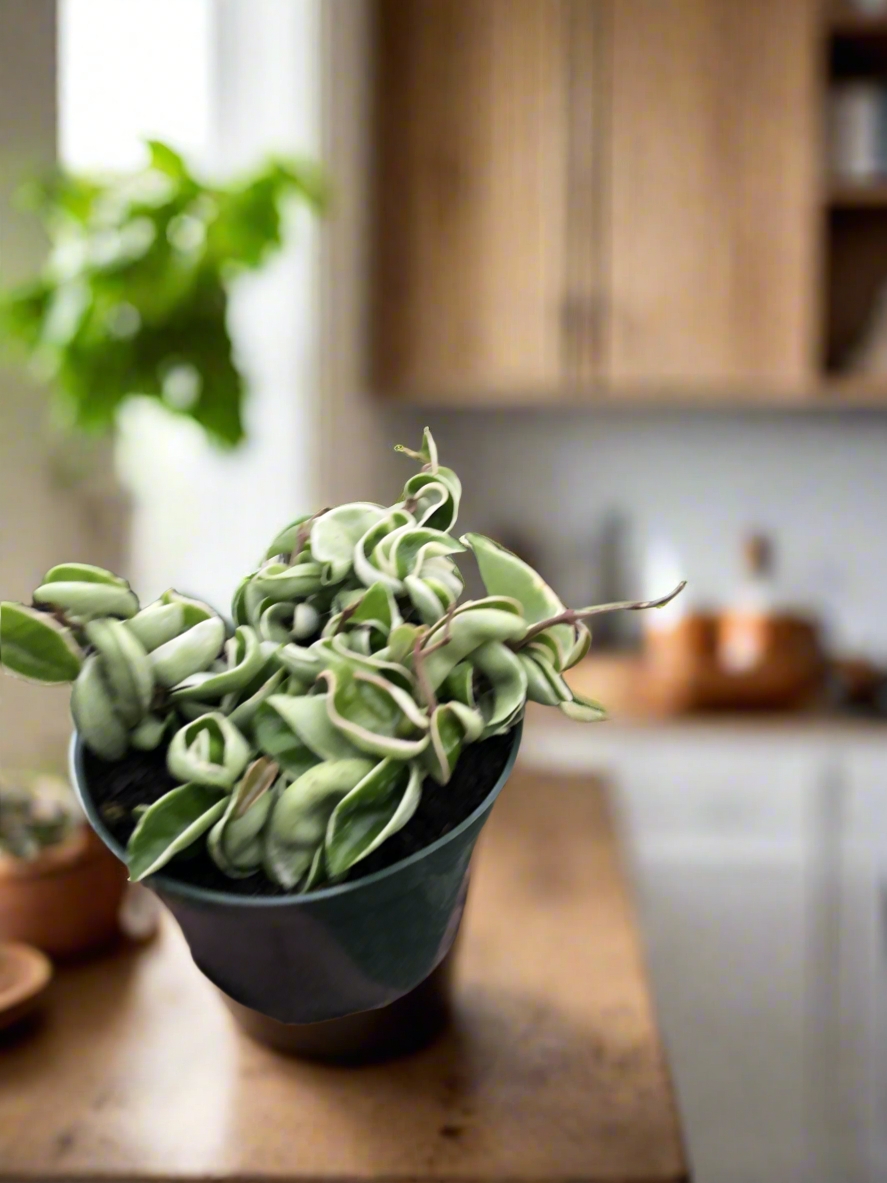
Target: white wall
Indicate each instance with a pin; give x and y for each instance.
(817, 481)
(355, 433)
(55, 500)
(227, 82)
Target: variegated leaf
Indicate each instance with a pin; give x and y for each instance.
(583, 710)
(92, 708)
(503, 704)
(335, 534)
(300, 817)
(171, 825)
(380, 805)
(285, 542)
(189, 653)
(373, 714)
(235, 842)
(468, 629)
(244, 659)
(452, 726)
(503, 573)
(36, 646)
(209, 751)
(85, 592)
(126, 668)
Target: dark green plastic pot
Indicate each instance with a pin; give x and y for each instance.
(315, 962)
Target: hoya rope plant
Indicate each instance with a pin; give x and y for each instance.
(300, 742)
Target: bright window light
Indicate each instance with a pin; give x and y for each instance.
(131, 70)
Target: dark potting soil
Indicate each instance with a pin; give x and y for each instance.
(141, 778)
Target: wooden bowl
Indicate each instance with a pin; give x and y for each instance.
(24, 975)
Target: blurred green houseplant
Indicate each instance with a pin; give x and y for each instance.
(133, 297)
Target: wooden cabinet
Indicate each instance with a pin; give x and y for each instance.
(713, 194)
(472, 279)
(586, 196)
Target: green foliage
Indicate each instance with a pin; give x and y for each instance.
(300, 742)
(133, 298)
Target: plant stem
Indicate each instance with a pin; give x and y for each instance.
(346, 614)
(304, 530)
(422, 676)
(574, 615)
(420, 653)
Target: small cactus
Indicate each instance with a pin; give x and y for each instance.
(37, 813)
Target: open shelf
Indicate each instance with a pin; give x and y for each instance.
(847, 22)
(857, 194)
(846, 19)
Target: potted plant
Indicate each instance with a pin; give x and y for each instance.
(60, 889)
(304, 789)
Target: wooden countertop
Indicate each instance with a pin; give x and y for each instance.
(553, 1070)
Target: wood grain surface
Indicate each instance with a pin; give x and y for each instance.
(552, 1071)
(471, 148)
(714, 199)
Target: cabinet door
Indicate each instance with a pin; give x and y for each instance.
(712, 194)
(471, 149)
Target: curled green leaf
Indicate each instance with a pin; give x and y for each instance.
(473, 625)
(294, 729)
(149, 734)
(85, 592)
(126, 668)
(300, 817)
(285, 543)
(171, 825)
(503, 703)
(452, 726)
(189, 653)
(36, 646)
(544, 684)
(242, 710)
(208, 751)
(277, 581)
(243, 661)
(583, 710)
(380, 805)
(503, 573)
(335, 534)
(157, 624)
(366, 564)
(94, 714)
(373, 714)
(235, 842)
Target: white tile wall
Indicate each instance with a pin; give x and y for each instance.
(817, 481)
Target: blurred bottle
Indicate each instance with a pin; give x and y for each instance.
(857, 130)
(744, 632)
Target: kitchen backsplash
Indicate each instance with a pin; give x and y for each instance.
(589, 493)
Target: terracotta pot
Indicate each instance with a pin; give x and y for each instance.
(67, 900)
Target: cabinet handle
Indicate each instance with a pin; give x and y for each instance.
(581, 314)
(582, 326)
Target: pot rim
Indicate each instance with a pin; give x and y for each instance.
(172, 886)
